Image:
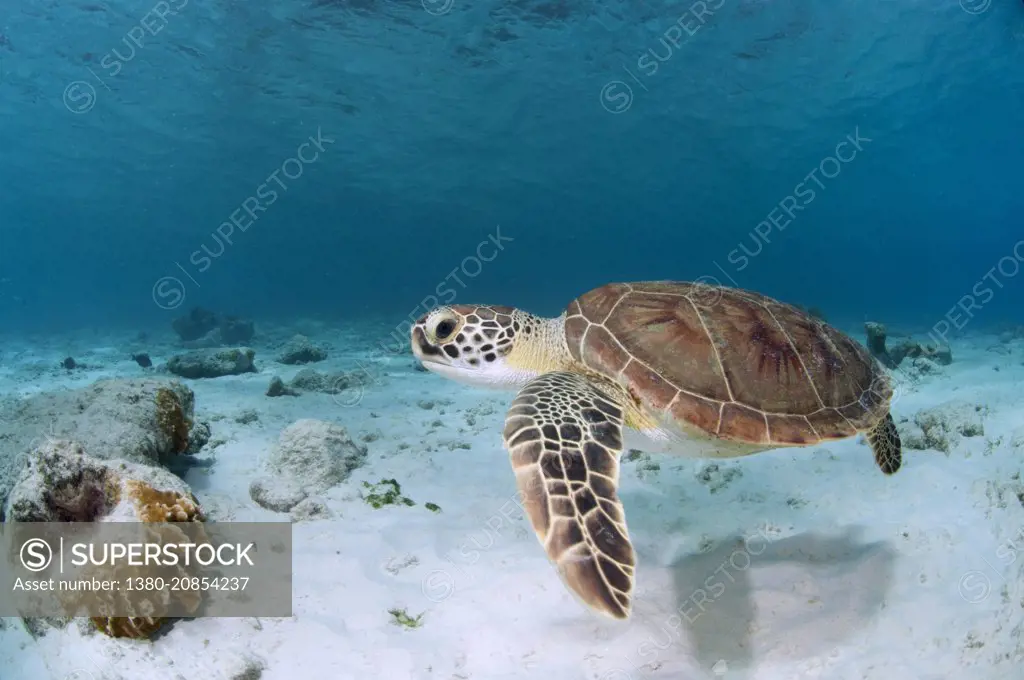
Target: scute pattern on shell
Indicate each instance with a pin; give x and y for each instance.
(731, 362)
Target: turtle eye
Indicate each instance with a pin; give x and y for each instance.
(444, 329)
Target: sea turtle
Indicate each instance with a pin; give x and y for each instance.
(695, 369)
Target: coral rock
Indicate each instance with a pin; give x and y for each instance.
(311, 456)
(916, 350)
(944, 426)
(891, 358)
(213, 363)
(198, 437)
(172, 419)
(195, 324)
(277, 388)
(311, 380)
(876, 333)
(149, 612)
(203, 328)
(311, 509)
(279, 495)
(62, 483)
(300, 350)
(152, 505)
(318, 453)
(138, 627)
(141, 420)
(236, 331)
(209, 341)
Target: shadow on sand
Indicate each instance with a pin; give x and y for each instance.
(753, 597)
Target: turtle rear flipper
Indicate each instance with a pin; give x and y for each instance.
(564, 436)
(885, 442)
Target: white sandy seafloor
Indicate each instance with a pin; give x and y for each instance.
(799, 563)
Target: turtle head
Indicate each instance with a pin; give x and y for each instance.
(475, 344)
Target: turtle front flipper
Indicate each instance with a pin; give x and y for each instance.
(564, 436)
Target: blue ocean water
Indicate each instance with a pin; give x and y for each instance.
(359, 161)
(621, 141)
